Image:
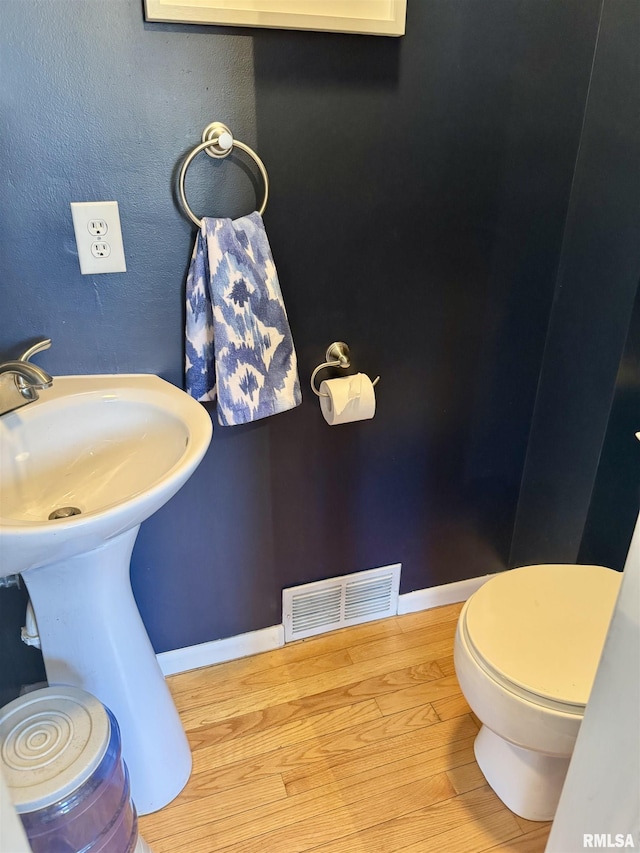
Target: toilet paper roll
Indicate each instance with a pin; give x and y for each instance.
(350, 398)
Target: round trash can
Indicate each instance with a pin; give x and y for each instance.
(61, 757)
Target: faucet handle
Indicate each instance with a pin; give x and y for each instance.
(40, 346)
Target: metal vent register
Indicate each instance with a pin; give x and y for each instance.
(315, 608)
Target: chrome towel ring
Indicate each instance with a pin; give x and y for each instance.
(218, 141)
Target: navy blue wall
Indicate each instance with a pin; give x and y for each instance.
(419, 193)
(615, 498)
(597, 284)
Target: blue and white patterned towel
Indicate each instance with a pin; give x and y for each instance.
(238, 342)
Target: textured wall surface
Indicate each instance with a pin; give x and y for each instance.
(419, 190)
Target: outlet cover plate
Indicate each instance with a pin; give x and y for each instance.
(85, 214)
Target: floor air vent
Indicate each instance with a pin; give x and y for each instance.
(337, 602)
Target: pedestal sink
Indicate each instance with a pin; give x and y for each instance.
(80, 469)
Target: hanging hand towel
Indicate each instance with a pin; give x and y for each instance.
(238, 342)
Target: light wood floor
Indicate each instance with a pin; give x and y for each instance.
(357, 741)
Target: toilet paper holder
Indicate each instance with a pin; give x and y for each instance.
(337, 355)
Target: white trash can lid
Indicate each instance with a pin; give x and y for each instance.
(51, 741)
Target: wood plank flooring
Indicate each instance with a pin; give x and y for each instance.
(356, 741)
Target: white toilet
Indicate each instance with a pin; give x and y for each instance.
(526, 652)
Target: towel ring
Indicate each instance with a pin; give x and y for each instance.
(218, 141)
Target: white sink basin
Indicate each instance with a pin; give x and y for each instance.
(116, 448)
(113, 450)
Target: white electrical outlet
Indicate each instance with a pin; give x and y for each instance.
(100, 249)
(97, 227)
(98, 236)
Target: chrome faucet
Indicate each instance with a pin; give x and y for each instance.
(20, 380)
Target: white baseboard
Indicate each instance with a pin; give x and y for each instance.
(436, 596)
(220, 651)
(267, 639)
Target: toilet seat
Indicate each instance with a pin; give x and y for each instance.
(538, 631)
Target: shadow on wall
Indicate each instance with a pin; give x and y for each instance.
(24, 664)
(430, 244)
(616, 495)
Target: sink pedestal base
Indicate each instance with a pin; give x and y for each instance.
(92, 637)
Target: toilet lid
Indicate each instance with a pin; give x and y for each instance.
(542, 628)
